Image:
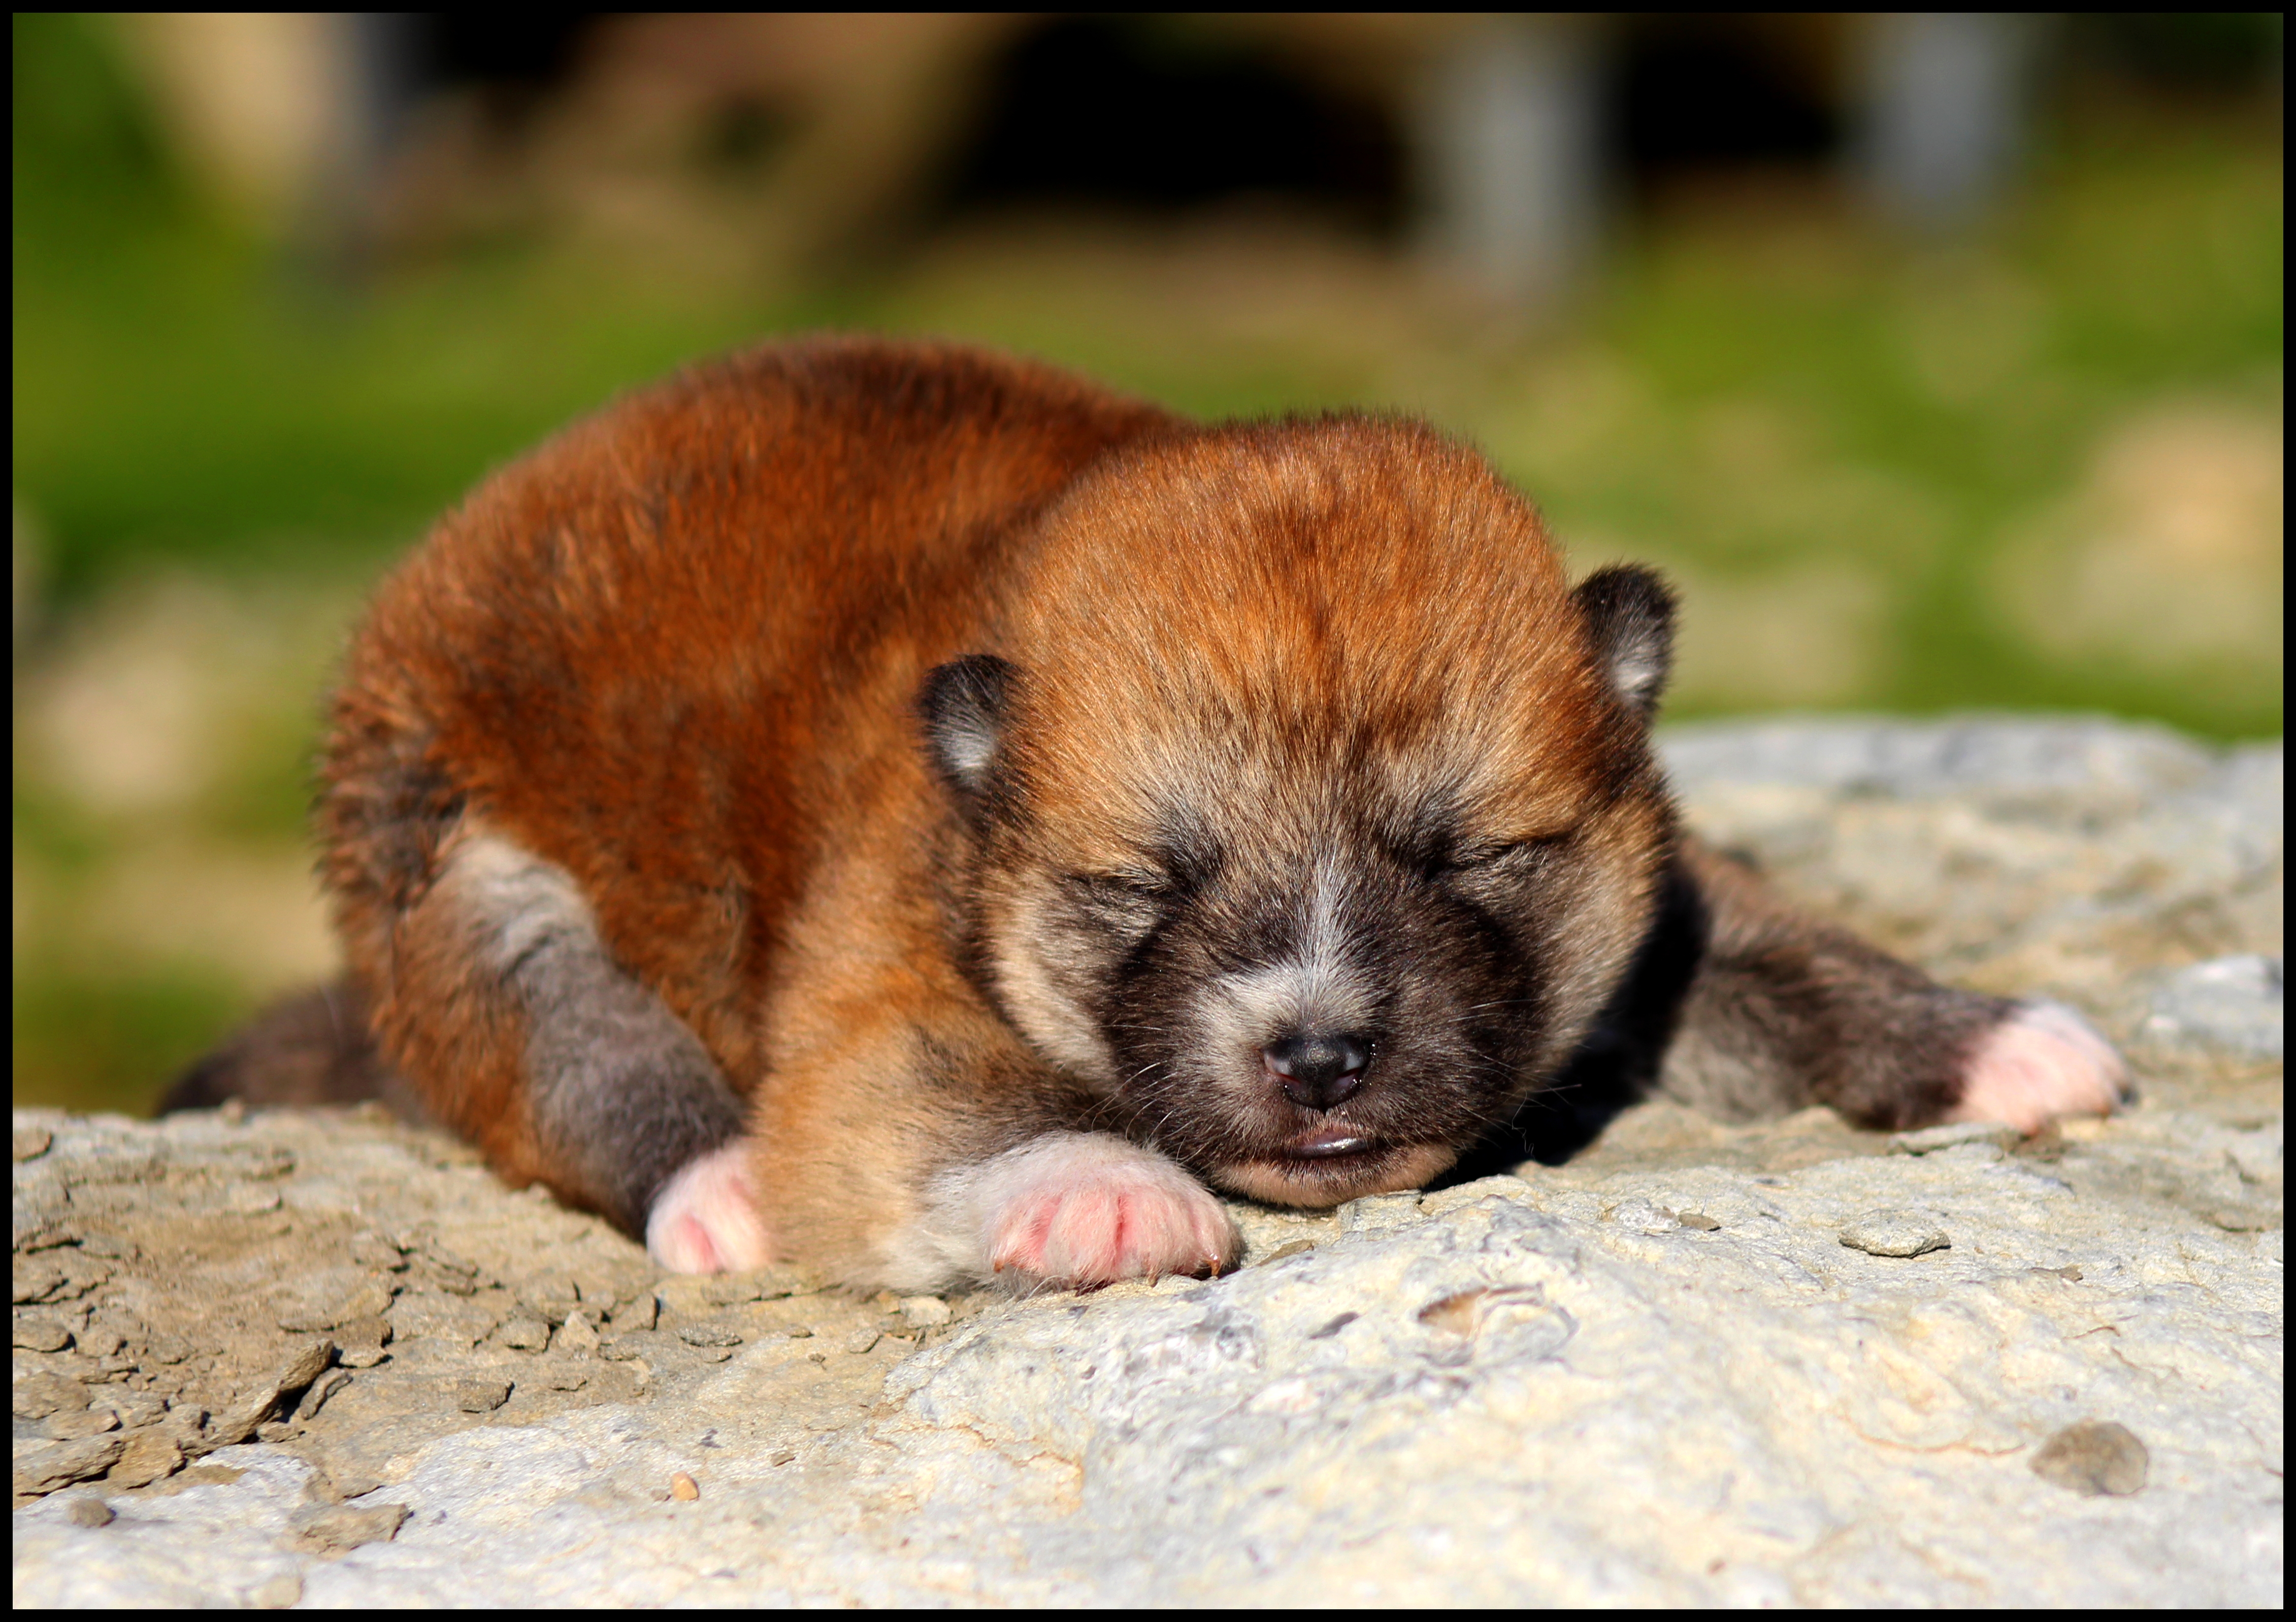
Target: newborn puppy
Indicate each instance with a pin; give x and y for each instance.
(907, 811)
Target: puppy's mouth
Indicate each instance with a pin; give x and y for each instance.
(1331, 1165)
(1329, 1143)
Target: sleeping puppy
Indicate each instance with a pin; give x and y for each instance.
(911, 812)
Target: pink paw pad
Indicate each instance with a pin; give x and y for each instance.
(705, 1219)
(2043, 1062)
(1086, 1210)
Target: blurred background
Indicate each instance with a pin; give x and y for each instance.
(1937, 356)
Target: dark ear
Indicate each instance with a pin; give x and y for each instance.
(1630, 615)
(963, 705)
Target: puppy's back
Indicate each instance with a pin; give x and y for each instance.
(655, 652)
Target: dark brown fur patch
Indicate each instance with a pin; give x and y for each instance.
(315, 1047)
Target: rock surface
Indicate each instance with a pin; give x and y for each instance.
(323, 1359)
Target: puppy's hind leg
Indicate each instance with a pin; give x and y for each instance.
(2041, 1063)
(626, 1110)
(1782, 1011)
(315, 1047)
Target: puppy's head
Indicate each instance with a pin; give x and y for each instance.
(1315, 817)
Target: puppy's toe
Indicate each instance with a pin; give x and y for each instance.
(1088, 1211)
(705, 1219)
(2043, 1062)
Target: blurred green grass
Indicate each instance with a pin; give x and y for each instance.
(1801, 413)
(110, 1042)
(186, 394)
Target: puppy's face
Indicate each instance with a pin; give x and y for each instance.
(1314, 819)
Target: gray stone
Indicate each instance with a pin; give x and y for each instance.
(2093, 1458)
(1654, 1376)
(236, 1423)
(102, 1342)
(1930, 1140)
(135, 1408)
(36, 1278)
(39, 1394)
(1896, 1234)
(524, 1334)
(482, 1396)
(363, 1298)
(447, 1317)
(577, 1334)
(322, 1389)
(925, 1311)
(41, 1334)
(85, 1510)
(642, 1313)
(1984, 755)
(88, 1422)
(1378, 1212)
(550, 1296)
(304, 1367)
(191, 1547)
(360, 1341)
(44, 1466)
(147, 1456)
(346, 1526)
(379, 1251)
(2233, 1003)
(282, 1592)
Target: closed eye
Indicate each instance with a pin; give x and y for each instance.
(1131, 887)
(1500, 857)
(1128, 903)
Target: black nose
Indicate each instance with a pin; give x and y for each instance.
(1317, 1069)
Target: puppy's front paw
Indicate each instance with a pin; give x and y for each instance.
(705, 1219)
(1087, 1208)
(2042, 1063)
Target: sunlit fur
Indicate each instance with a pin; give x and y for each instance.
(937, 781)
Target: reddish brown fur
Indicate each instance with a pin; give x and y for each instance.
(1369, 570)
(676, 654)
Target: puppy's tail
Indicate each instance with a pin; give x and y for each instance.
(315, 1047)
